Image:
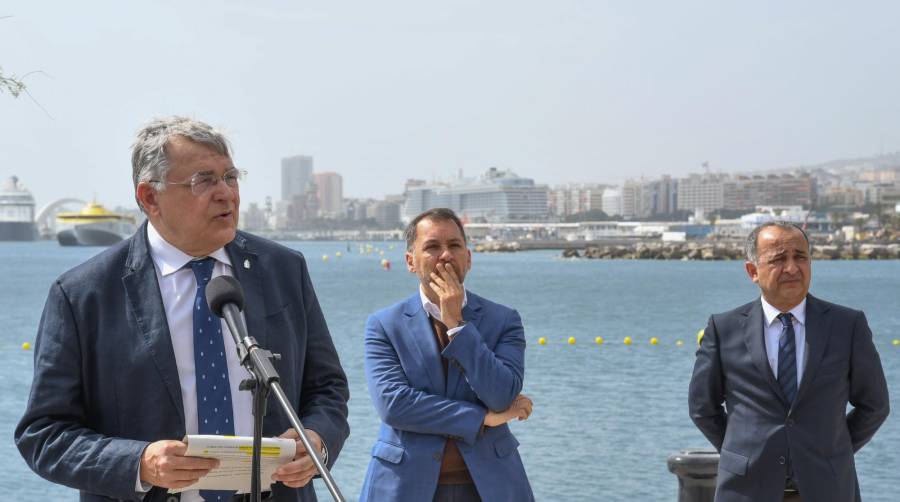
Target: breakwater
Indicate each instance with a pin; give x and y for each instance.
(693, 250)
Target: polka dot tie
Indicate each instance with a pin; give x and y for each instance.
(214, 413)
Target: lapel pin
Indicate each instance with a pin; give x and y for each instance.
(247, 264)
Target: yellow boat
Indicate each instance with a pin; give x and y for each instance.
(94, 225)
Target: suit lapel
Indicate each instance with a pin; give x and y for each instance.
(246, 269)
(818, 330)
(755, 338)
(471, 314)
(145, 300)
(419, 336)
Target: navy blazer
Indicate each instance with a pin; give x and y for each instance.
(760, 432)
(105, 380)
(420, 409)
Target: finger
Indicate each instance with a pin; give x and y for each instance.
(290, 434)
(438, 279)
(451, 271)
(174, 448)
(300, 483)
(193, 463)
(436, 288)
(187, 475)
(294, 467)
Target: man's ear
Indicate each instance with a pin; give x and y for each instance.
(148, 198)
(752, 271)
(410, 264)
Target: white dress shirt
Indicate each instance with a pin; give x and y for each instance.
(178, 287)
(435, 310)
(773, 333)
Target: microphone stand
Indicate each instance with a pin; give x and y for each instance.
(265, 379)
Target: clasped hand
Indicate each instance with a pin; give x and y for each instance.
(519, 409)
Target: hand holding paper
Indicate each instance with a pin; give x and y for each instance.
(301, 470)
(234, 456)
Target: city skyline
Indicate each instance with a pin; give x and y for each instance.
(592, 93)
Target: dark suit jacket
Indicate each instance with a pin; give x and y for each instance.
(105, 381)
(757, 432)
(419, 409)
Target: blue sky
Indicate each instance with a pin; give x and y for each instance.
(562, 91)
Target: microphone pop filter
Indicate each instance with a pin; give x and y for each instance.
(222, 290)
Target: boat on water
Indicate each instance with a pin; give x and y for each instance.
(16, 212)
(94, 225)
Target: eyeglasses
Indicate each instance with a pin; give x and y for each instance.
(200, 183)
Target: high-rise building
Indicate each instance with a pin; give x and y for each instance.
(296, 173)
(701, 191)
(495, 196)
(571, 199)
(748, 192)
(330, 189)
(612, 202)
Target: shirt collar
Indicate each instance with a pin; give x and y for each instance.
(771, 313)
(435, 310)
(169, 259)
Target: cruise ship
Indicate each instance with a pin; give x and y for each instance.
(16, 212)
(94, 225)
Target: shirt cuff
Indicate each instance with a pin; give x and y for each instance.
(141, 487)
(453, 331)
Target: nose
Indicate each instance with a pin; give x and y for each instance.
(790, 266)
(446, 255)
(221, 191)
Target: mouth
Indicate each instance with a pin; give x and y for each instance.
(225, 215)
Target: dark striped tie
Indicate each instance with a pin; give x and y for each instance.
(787, 358)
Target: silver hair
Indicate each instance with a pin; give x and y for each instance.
(752, 244)
(149, 159)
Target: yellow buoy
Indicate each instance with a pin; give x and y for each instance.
(542, 341)
(324, 257)
(896, 342)
(699, 336)
(338, 254)
(654, 341)
(571, 340)
(679, 343)
(627, 340)
(26, 346)
(598, 340)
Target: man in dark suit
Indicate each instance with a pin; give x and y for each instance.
(123, 366)
(786, 366)
(445, 368)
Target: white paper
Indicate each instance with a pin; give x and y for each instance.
(235, 460)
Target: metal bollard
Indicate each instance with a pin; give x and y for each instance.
(696, 470)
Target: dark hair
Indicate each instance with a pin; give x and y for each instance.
(434, 214)
(752, 243)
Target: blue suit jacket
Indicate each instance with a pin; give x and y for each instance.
(759, 431)
(105, 380)
(419, 411)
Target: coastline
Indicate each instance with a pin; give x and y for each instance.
(704, 250)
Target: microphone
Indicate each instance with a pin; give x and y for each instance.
(226, 300)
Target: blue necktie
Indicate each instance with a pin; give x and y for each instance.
(214, 413)
(787, 358)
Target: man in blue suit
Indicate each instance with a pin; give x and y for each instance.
(773, 380)
(126, 356)
(445, 370)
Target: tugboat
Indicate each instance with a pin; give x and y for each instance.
(94, 225)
